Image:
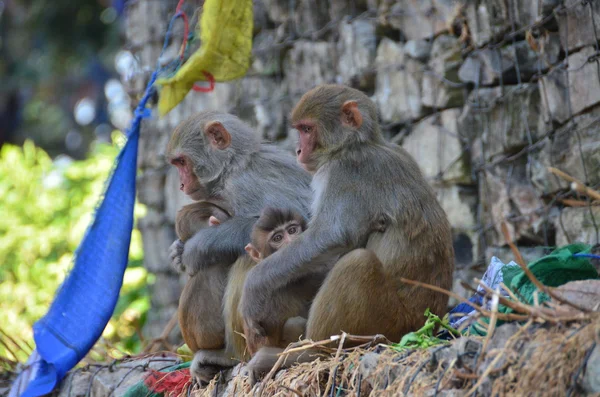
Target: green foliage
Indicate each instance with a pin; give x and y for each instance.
(46, 207)
(424, 337)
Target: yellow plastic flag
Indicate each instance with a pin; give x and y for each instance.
(225, 49)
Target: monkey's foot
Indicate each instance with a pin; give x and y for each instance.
(203, 374)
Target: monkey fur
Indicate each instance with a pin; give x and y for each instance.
(222, 160)
(358, 178)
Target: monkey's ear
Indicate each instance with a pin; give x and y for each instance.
(351, 116)
(253, 252)
(213, 221)
(218, 135)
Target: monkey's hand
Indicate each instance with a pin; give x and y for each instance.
(175, 254)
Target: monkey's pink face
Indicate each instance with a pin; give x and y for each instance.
(189, 183)
(307, 142)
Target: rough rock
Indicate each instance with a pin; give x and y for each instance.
(311, 64)
(576, 24)
(266, 53)
(506, 65)
(166, 291)
(158, 319)
(418, 49)
(567, 94)
(578, 225)
(111, 380)
(150, 184)
(436, 144)
(418, 19)
(278, 10)
(157, 236)
(490, 19)
(338, 9)
(398, 83)
(583, 293)
(442, 87)
(260, 104)
(591, 378)
(485, 67)
(575, 149)
(507, 195)
(502, 119)
(310, 16)
(356, 48)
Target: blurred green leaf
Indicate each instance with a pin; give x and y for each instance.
(46, 207)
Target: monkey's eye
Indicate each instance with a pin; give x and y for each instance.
(277, 238)
(307, 129)
(292, 230)
(179, 161)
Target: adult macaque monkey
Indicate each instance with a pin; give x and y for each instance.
(359, 180)
(220, 159)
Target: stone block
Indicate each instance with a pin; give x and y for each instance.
(576, 25)
(111, 380)
(260, 104)
(157, 237)
(156, 322)
(266, 53)
(338, 9)
(436, 145)
(278, 10)
(490, 19)
(502, 119)
(165, 290)
(460, 204)
(398, 83)
(418, 49)
(442, 87)
(507, 195)
(356, 49)
(575, 149)
(309, 64)
(310, 16)
(418, 19)
(578, 225)
(567, 94)
(150, 187)
(485, 67)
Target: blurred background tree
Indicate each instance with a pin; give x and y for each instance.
(61, 106)
(58, 73)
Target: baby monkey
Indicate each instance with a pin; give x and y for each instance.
(201, 326)
(275, 229)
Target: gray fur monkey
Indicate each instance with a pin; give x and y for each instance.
(222, 160)
(359, 181)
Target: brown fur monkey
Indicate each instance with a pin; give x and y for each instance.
(199, 313)
(357, 178)
(275, 229)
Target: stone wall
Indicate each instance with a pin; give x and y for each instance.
(486, 94)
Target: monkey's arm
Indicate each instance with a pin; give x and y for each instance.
(216, 245)
(338, 229)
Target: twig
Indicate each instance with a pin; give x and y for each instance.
(493, 320)
(487, 313)
(487, 372)
(163, 336)
(337, 356)
(576, 183)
